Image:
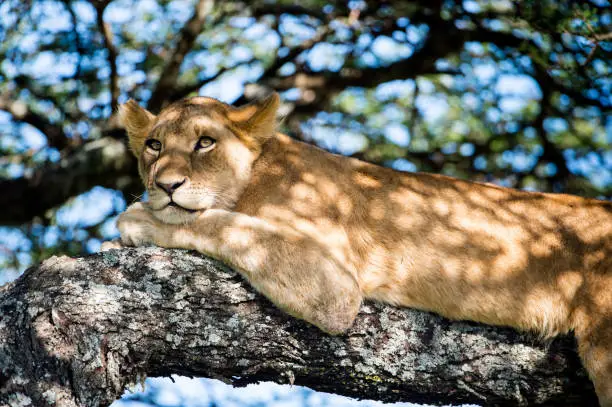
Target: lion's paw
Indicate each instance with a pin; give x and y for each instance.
(137, 227)
(111, 244)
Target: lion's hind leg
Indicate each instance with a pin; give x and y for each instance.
(595, 349)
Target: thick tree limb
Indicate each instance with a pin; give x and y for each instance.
(74, 332)
(105, 162)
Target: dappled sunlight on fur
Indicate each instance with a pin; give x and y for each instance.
(317, 232)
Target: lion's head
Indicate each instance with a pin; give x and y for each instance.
(197, 153)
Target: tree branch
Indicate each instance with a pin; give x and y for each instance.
(550, 152)
(187, 37)
(76, 331)
(19, 110)
(294, 9)
(296, 51)
(443, 39)
(502, 39)
(422, 62)
(105, 162)
(107, 34)
(185, 90)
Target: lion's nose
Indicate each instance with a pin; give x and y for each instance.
(170, 187)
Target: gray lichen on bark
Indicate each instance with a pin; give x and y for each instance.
(76, 332)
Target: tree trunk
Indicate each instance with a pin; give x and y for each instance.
(75, 332)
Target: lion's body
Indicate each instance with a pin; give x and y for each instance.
(464, 250)
(317, 232)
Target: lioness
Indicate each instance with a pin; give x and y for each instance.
(317, 232)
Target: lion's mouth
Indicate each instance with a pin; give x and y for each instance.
(173, 204)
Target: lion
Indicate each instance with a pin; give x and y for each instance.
(317, 233)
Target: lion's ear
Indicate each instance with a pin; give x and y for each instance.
(257, 119)
(136, 121)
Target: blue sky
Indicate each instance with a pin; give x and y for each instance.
(186, 392)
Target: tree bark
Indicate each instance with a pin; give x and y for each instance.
(75, 332)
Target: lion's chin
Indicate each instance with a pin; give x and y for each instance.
(176, 215)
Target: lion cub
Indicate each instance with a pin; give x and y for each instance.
(317, 232)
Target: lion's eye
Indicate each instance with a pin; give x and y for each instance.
(204, 143)
(153, 144)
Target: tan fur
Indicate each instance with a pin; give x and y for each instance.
(317, 232)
